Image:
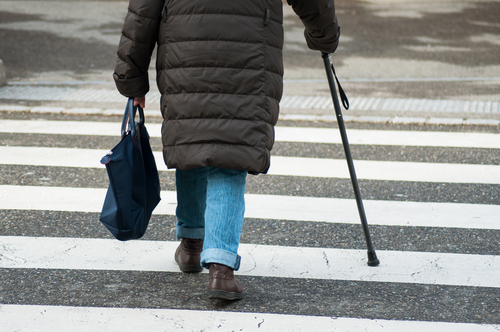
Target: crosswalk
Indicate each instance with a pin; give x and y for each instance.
(432, 202)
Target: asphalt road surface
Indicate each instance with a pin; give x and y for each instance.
(434, 50)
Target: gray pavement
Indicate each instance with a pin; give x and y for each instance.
(389, 49)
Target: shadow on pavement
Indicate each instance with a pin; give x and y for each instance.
(28, 52)
(469, 37)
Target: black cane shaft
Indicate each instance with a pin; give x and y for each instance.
(372, 258)
(355, 184)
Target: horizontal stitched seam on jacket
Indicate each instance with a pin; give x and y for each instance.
(220, 118)
(219, 93)
(258, 148)
(147, 18)
(241, 15)
(135, 41)
(216, 40)
(239, 68)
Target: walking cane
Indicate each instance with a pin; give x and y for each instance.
(330, 71)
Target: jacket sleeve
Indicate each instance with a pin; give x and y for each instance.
(318, 16)
(139, 37)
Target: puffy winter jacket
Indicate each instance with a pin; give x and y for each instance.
(220, 72)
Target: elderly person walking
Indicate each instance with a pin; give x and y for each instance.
(220, 74)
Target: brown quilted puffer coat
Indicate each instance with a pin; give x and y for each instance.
(220, 73)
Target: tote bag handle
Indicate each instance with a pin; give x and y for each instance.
(128, 122)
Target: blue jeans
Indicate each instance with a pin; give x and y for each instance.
(210, 206)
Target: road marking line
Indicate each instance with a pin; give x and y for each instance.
(314, 209)
(45, 93)
(285, 166)
(257, 260)
(386, 170)
(283, 134)
(82, 319)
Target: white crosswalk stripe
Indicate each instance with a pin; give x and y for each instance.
(283, 134)
(287, 166)
(52, 318)
(257, 260)
(461, 270)
(319, 209)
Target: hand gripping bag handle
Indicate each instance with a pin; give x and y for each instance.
(128, 122)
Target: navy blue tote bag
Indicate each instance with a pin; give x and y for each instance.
(134, 185)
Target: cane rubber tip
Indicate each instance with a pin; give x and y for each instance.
(372, 259)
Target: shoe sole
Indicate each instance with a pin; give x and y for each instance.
(223, 295)
(189, 268)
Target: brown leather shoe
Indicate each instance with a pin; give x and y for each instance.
(187, 255)
(222, 284)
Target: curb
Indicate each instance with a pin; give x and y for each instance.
(282, 117)
(3, 77)
(391, 120)
(91, 91)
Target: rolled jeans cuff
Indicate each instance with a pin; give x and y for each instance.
(190, 233)
(220, 256)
